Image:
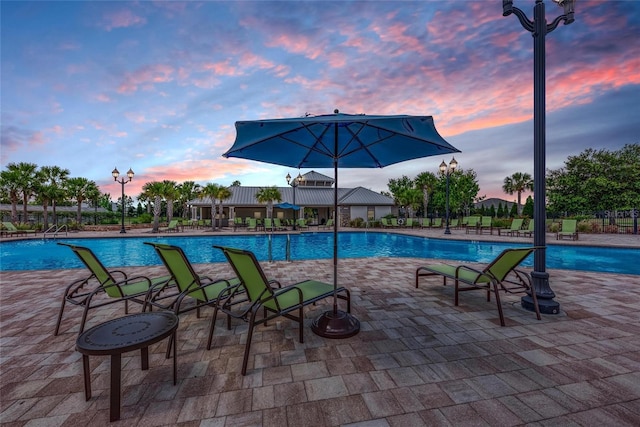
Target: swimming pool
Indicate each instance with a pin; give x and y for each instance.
(36, 254)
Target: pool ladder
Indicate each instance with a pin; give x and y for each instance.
(54, 230)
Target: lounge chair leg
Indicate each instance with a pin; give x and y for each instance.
(455, 293)
(126, 307)
(301, 323)
(247, 347)
(499, 303)
(84, 317)
(212, 326)
(64, 300)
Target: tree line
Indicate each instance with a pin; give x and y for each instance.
(594, 180)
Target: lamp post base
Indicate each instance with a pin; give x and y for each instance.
(544, 295)
(447, 231)
(546, 306)
(335, 324)
(122, 231)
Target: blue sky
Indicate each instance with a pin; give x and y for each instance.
(158, 86)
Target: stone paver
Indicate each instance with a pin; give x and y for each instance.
(418, 360)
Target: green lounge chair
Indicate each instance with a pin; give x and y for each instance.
(453, 223)
(268, 224)
(301, 223)
(437, 223)
(394, 223)
(499, 275)
(102, 281)
(384, 222)
(515, 227)
(263, 297)
(472, 224)
(425, 223)
(328, 224)
(486, 224)
(12, 230)
(173, 225)
(278, 225)
(529, 231)
(199, 290)
(252, 224)
(569, 229)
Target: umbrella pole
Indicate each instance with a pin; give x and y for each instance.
(335, 323)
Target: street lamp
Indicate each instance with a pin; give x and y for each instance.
(294, 184)
(539, 29)
(122, 181)
(448, 170)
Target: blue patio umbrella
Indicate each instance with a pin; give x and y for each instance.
(338, 140)
(287, 205)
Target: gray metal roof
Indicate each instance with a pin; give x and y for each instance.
(308, 197)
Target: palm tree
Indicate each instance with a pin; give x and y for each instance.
(154, 190)
(80, 189)
(223, 194)
(52, 180)
(518, 183)
(93, 195)
(11, 187)
(268, 195)
(20, 178)
(426, 182)
(170, 193)
(189, 190)
(211, 191)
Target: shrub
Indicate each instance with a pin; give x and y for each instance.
(357, 223)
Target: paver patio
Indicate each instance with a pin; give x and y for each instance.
(418, 359)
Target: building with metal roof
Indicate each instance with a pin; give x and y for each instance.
(315, 196)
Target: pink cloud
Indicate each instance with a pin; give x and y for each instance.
(122, 19)
(146, 77)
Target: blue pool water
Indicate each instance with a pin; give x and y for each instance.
(36, 254)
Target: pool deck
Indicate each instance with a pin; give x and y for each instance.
(418, 359)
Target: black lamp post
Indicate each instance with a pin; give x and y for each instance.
(294, 184)
(448, 170)
(122, 181)
(539, 29)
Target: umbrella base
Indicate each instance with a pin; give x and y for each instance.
(335, 324)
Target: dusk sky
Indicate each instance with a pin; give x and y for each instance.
(157, 86)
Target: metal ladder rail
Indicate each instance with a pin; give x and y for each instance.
(55, 230)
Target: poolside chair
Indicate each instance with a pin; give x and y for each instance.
(384, 222)
(278, 225)
(328, 224)
(516, 225)
(454, 223)
(252, 224)
(301, 223)
(500, 275)
(568, 230)
(199, 290)
(437, 223)
(473, 223)
(102, 281)
(12, 230)
(529, 231)
(172, 226)
(268, 224)
(263, 297)
(486, 224)
(394, 223)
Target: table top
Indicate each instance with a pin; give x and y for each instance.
(127, 333)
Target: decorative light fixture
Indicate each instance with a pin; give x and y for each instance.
(448, 170)
(115, 174)
(539, 29)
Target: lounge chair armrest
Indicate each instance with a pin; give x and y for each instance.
(480, 273)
